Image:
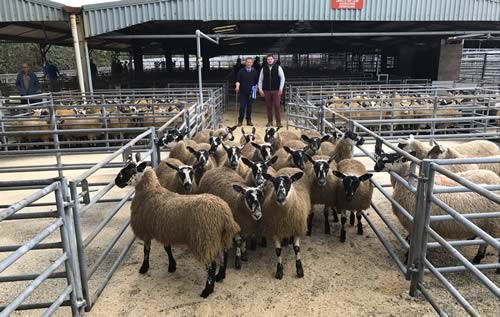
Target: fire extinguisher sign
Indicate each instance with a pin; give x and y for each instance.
(347, 4)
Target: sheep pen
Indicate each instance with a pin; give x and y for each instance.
(332, 282)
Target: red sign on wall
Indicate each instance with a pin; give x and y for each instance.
(347, 4)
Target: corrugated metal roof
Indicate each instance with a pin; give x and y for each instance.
(31, 10)
(108, 17)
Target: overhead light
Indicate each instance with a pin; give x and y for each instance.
(225, 28)
(235, 43)
(232, 38)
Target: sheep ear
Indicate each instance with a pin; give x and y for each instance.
(325, 138)
(191, 150)
(253, 130)
(211, 133)
(225, 147)
(434, 142)
(411, 138)
(296, 177)
(338, 174)
(255, 145)
(271, 161)
(305, 138)
(331, 159)
(231, 129)
(267, 177)
(247, 162)
(287, 149)
(142, 167)
(242, 131)
(239, 188)
(365, 177)
(138, 157)
(172, 166)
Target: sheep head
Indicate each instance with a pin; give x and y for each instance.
(254, 197)
(282, 185)
(351, 183)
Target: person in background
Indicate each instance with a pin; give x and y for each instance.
(256, 64)
(246, 82)
(271, 84)
(26, 82)
(51, 72)
(125, 67)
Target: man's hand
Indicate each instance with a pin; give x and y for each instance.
(280, 92)
(261, 93)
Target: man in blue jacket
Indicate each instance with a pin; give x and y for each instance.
(246, 86)
(27, 82)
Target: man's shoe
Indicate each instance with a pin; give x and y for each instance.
(240, 123)
(279, 125)
(249, 122)
(269, 124)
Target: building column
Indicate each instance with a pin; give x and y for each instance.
(168, 61)
(138, 60)
(206, 63)
(449, 61)
(186, 62)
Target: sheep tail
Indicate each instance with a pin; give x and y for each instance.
(230, 230)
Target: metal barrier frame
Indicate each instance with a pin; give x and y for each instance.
(64, 223)
(316, 117)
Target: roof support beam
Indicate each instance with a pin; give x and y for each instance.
(281, 35)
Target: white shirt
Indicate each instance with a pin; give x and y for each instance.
(281, 75)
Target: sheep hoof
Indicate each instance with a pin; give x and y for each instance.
(300, 269)
(244, 256)
(237, 263)
(220, 276)
(144, 268)
(172, 268)
(263, 243)
(342, 235)
(206, 292)
(279, 271)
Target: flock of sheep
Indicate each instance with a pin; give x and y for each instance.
(112, 114)
(213, 192)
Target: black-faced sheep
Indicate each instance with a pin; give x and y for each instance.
(344, 148)
(288, 157)
(226, 134)
(354, 192)
(285, 213)
(255, 176)
(175, 176)
(202, 222)
(277, 139)
(245, 203)
(250, 137)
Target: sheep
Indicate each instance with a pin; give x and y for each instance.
(204, 162)
(257, 170)
(354, 192)
(465, 202)
(175, 176)
(288, 157)
(250, 137)
(245, 203)
(328, 147)
(202, 222)
(225, 133)
(278, 138)
(323, 187)
(36, 123)
(285, 211)
(314, 143)
(443, 152)
(412, 145)
(344, 148)
(257, 152)
(233, 155)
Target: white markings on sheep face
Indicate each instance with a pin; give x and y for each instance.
(253, 198)
(185, 175)
(282, 185)
(351, 183)
(233, 155)
(298, 157)
(321, 168)
(270, 135)
(130, 175)
(258, 169)
(215, 142)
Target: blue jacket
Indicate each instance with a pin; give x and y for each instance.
(26, 91)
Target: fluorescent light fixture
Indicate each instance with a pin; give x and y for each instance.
(225, 28)
(235, 43)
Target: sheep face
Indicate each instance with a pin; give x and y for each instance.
(321, 169)
(259, 168)
(407, 145)
(298, 157)
(233, 155)
(249, 137)
(353, 137)
(391, 162)
(130, 175)
(39, 112)
(265, 150)
(201, 157)
(214, 143)
(253, 200)
(282, 185)
(170, 139)
(351, 183)
(437, 152)
(315, 143)
(185, 175)
(228, 133)
(270, 135)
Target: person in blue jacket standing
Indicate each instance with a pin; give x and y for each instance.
(26, 83)
(246, 85)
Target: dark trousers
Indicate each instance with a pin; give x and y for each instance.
(245, 105)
